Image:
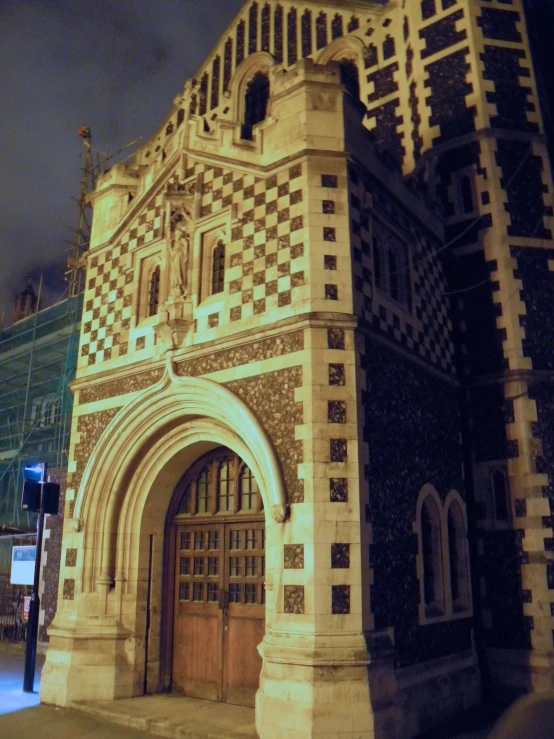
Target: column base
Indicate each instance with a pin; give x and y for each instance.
(339, 684)
(87, 661)
(517, 671)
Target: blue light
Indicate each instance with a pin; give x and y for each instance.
(34, 472)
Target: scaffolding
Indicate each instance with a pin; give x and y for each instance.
(38, 360)
(38, 357)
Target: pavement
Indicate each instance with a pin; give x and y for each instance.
(22, 715)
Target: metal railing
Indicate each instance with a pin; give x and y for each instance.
(12, 611)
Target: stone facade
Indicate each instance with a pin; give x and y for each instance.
(371, 343)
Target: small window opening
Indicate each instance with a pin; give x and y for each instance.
(154, 292)
(218, 268)
(256, 100)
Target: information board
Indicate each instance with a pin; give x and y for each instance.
(23, 565)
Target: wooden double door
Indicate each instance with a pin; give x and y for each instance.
(219, 609)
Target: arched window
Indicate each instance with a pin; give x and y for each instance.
(350, 78)
(154, 292)
(226, 485)
(219, 482)
(431, 548)
(218, 268)
(256, 100)
(499, 488)
(248, 490)
(180, 116)
(457, 549)
(391, 266)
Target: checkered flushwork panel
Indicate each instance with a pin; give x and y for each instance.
(422, 323)
(110, 290)
(267, 238)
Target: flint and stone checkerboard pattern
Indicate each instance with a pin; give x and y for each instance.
(423, 326)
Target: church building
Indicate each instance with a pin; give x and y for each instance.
(312, 450)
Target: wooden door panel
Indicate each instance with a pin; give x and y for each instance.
(219, 609)
(198, 619)
(197, 654)
(242, 662)
(245, 616)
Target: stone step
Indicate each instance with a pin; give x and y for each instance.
(175, 716)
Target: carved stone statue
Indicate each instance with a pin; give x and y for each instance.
(179, 243)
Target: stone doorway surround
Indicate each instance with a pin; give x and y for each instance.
(312, 681)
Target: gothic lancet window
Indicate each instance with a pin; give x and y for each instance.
(256, 100)
(292, 43)
(204, 94)
(336, 26)
(266, 26)
(227, 63)
(248, 490)
(253, 28)
(203, 491)
(321, 30)
(391, 268)
(226, 485)
(431, 545)
(459, 575)
(216, 68)
(278, 34)
(239, 52)
(154, 292)
(306, 33)
(218, 268)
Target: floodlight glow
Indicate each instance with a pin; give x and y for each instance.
(34, 472)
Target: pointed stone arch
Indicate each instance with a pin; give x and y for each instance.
(175, 414)
(344, 47)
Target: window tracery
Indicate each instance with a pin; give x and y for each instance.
(220, 483)
(154, 291)
(218, 268)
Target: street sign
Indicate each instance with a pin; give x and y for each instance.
(23, 565)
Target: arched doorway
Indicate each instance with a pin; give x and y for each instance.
(216, 567)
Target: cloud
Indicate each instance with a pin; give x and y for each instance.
(114, 65)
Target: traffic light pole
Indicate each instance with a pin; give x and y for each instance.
(34, 610)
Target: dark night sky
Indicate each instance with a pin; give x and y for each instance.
(113, 64)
